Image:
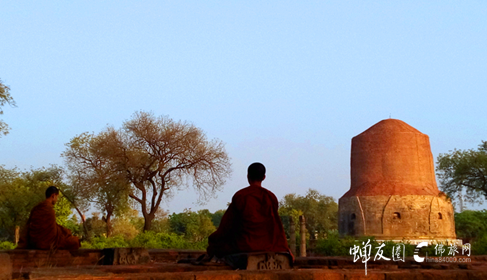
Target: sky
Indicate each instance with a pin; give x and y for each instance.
(285, 83)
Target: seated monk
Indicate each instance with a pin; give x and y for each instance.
(251, 222)
(42, 231)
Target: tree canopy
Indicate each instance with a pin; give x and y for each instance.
(196, 226)
(95, 179)
(320, 211)
(154, 156)
(5, 98)
(464, 172)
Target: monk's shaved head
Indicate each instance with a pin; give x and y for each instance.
(51, 190)
(256, 172)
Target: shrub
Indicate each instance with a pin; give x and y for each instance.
(148, 239)
(6, 245)
(333, 245)
(101, 242)
(123, 227)
(162, 240)
(479, 245)
(471, 224)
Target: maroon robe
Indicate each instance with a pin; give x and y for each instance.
(42, 231)
(250, 224)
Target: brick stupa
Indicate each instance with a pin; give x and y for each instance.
(393, 193)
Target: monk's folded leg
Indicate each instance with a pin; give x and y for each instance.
(219, 249)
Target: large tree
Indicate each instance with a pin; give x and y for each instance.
(94, 178)
(5, 98)
(463, 173)
(320, 211)
(158, 156)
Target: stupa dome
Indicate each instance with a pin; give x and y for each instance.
(391, 158)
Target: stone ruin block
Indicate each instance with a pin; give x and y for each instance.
(124, 256)
(268, 261)
(5, 267)
(260, 261)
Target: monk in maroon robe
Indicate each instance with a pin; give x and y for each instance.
(251, 222)
(42, 231)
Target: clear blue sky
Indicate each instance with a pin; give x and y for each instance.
(286, 83)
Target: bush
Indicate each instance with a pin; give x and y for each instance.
(148, 239)
(161, 240)
(471, 224)
(479, 245)
(333, 245)
(124, 228)
(101, 242)
(6, 245)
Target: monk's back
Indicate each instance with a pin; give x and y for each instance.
(42, 226)
(260, 227)
(42, 231)
(251, 222)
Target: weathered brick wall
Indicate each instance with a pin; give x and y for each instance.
(46, 258)
(391, 158)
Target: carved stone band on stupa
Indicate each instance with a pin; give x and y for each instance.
(393, 193)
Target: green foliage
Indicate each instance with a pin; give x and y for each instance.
(160, 222)
(96, 227)
(145, 160)
(286, 214)
(100, 242)
(464, 173)
(63, 211)
(195, 226)
(123, 227)
(160, 225)
(93, 178)
(189, 230)
(5, 98)
(333, 245)
(320, 211)
(147, 239)
(73, 225)
(216, 217)
(6, 245)
(479, 245)
(150, 239)
(471, 224)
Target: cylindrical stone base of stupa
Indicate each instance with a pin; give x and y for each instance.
(396, 217)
